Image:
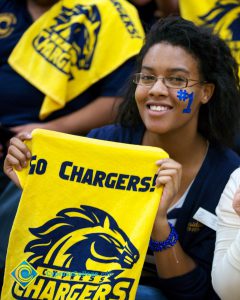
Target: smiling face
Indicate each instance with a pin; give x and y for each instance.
(158, 105)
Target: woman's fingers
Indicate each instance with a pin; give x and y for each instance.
(9, 164)
(169, 170)
(17, 156)
(24, 135)
(169, 176)
(168, 163)
(164, 176)
(17, 146)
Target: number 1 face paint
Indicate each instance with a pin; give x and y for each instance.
(183, 95)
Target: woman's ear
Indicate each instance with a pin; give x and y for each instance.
(208, 89)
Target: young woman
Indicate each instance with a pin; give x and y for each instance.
(185, 99)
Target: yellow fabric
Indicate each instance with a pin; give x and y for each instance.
(73, 45)
(222, 15)
(77, 252)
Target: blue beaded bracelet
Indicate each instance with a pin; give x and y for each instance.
(168, 243)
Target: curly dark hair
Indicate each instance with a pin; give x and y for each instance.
(219, 118)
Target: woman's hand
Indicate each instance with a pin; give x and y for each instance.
(17, 156)
(236, 201)
(169, 176)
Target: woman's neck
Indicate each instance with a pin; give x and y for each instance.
(189, 150)
(37, 8)
(183, 149)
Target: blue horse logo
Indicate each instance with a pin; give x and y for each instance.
(71, 40)
(82, 239)
(80, 252)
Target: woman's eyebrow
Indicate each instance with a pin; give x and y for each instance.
(178, 69)
(147, 68)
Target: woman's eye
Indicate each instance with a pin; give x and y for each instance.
(176, 79)
(147, 77)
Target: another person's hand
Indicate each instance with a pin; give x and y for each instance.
(17, 156)
(29, 127)
(169, 176)
(236, 201)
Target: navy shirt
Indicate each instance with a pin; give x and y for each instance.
(21, 101)
(204, 193)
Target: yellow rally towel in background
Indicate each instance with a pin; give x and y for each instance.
(73, 45)
(84, 220)
(222, 15)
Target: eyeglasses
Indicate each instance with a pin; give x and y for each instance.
(175, 82)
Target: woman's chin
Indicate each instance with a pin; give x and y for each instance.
(157, 128)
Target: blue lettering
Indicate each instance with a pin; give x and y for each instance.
(121, 182)
(98, 178)
(62, 171)
(76, 172)
(132, 184)
(88, 177)
(110, 182)
(145, 182)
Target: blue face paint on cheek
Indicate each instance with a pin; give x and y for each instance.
(183, 96)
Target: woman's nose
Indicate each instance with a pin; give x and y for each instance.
(158, 88)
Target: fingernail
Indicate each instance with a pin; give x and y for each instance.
(28, 154)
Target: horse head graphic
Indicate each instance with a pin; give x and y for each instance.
(79, 28)
(84, 238)
(71, 40)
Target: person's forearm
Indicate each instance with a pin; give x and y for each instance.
(100, 112)
(227, 259)
(226, 262)
(170, 262)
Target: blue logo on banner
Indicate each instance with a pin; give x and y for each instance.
(71, 41)
(69, 254)
(225, 18)
(24, 273)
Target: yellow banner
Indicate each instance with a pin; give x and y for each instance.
(221, 15)
(73, 45)
(84, 220)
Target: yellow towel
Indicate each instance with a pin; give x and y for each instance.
(73, 45)
(222, 15)
(84, 220)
